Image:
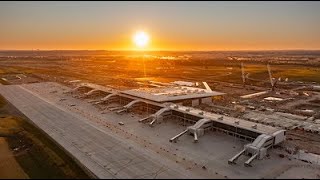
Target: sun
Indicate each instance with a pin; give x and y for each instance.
(141, 39)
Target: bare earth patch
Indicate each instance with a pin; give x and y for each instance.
(9, 168)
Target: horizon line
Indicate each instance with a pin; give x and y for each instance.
(158, 50)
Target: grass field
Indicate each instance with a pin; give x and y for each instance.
(126, 72)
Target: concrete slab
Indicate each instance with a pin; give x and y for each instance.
(100, 153)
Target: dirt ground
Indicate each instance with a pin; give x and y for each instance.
(9, 167)
(304, 140)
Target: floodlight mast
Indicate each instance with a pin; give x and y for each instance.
(272, 82)
(243, 75)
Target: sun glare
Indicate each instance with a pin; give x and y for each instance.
(141, 39)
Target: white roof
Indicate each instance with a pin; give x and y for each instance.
(165, 94)
(262, 129)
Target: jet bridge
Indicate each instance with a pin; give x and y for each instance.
(81, 89)
(258, 148)
(175, 138)
(107, 98)
(156, 116)
(95, 93)
(129, 105)
(91, 92)
(197, 129)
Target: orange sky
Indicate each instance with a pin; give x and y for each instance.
(171, 25)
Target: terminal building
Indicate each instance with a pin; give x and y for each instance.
(175, 102)
(182, 95)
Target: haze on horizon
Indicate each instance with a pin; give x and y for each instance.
(171, 25)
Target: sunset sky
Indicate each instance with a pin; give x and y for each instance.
(170, 25)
